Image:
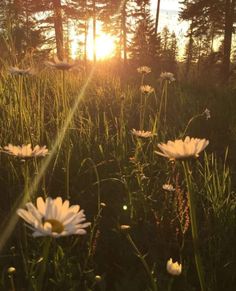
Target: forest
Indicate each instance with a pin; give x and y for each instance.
(117, 145)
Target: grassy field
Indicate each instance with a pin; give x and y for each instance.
(85, 119)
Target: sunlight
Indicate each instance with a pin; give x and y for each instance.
(74, 49)
(105, 47)
(105, 44)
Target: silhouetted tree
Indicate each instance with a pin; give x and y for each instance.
(212, 18)
(145, 43)
(19, 30)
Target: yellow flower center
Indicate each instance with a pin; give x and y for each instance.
(57, 226)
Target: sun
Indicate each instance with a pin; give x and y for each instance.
(105, 47)
(105, 44)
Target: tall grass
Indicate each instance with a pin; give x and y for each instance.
(97, 161)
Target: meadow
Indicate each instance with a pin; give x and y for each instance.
(144, 208)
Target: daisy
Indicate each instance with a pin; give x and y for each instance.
(26, 151)
(54, 218)
(182, 149)
(146, 89)
(125, 227)
(173, 268)
(167, 76)
(168, 187)
(141, 133)
(60, 65)
(144, 70)
(21, 72)
(207, 113)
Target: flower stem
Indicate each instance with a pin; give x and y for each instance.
(160, 108)
(198, 260)
(141, 257)
(12, 283)
(46, 248)
(165, 100)
(170, 283)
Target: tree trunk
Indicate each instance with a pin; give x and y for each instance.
(85, 35)
(94, 31)
(189, 52)
(124, 31)
(228, 31)
(85, 42)
(157, 15)
(58, 26)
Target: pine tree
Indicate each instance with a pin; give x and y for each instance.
(19, 28)
(168, 51)
(145, 44)
(212, 18)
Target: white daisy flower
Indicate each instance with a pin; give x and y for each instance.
(54, 218)
(173, 268)
(125, 227)
(144, 70)
(207, 113)
(21, 72)
(26, 151)
(142, 133)
(167, 76)
(168, 187)
(146, 89)
(182, 149)
(60, 65)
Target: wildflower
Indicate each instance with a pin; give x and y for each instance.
(98, 278)
(207, 113)
(146, 89)
(125, 227)
(54, 218)
(141, 133)
(125, 207)
(132, 159)
(167, 76)
(168, 187)
(39, 260)
(21, 72)
(26, 151)
(181, 149)
(173, 268)
(144, 70)
(11, 270)
(60, 65)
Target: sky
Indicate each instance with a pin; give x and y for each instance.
(169, 10)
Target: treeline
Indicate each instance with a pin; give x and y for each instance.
(30, 27)
(210, 22)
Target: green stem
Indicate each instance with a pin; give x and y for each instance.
(68, 173)
(189, 122)
(160, 108)
(20, 100)
(141, 257)
(26, 181)
(165, 100)
(141, 112)
(144, 111)
(170, 283)
(44, 263)
(91, 240)
(12, 283)
(141, 104)
(64, 90)
(194, 228)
